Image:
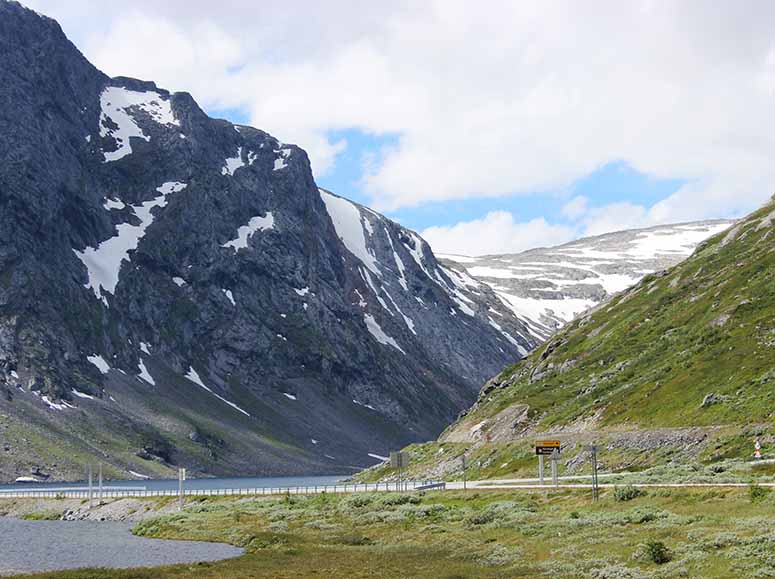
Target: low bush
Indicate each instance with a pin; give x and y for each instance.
(392, 499)
(657, 552)
(354, 540)
(43, 516)
(757, 493)
(627, 493)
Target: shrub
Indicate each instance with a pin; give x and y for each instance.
(627, 493)
(392, 499)
(278, 527)
(757, 493)
(359, 500)
(354, 540)
(502, 555)
(322, 525)
(481, 518)
(43, 516)
(657, 552)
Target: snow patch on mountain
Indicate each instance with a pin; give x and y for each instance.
(379, 334)
(99, 362)
(279, 162)
(145, 374)
(103, 262)
(193, 376)
(245, 232)
(117, 117)
(233, 163)
(349, 225)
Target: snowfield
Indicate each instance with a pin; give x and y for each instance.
(549, 287)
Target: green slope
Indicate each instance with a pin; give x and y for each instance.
(686, 358)
(650, 356)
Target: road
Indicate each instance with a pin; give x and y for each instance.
(495, 484)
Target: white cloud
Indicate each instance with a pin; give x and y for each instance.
(575, 208)
(497, 232)
(518, 98)
(615, 217)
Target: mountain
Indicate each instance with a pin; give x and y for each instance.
(679, 368)
(549, 287)
(175, 290)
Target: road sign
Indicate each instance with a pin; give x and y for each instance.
(399, 460)
(547, 446)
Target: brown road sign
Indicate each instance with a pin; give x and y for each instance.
(399, 460)
(547, 446)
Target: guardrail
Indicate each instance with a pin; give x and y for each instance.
(122, 492)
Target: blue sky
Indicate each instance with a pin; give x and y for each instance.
(531, 139)
(614, 182)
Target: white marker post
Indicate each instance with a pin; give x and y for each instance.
(181, 478)
(99, 478)
(91, 489)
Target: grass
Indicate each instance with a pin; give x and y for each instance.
(664, 533)
(43, 516)
(649, 357)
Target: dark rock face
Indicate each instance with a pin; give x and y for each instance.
(163, 273)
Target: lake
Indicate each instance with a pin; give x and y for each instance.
(35, 546)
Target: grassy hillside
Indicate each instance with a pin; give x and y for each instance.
(680, 366)
(654, 354)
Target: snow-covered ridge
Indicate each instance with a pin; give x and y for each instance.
(389, 257)
(548, 287)
(117, 120)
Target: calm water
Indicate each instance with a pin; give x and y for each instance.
(202, 483)
(34, 546)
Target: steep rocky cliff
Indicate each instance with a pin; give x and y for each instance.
(176, 290)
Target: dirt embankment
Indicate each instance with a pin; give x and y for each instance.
(125, 509)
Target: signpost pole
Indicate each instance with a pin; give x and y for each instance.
(99, 475)
(399, 460)
(551, 448)
(91, 490)
(464, 473)
(181, 478)
(595, 488)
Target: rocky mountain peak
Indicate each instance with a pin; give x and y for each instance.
(181, 283)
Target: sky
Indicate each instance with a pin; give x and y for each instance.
(488, 131)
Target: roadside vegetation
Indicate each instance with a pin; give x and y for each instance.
(627, 534)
